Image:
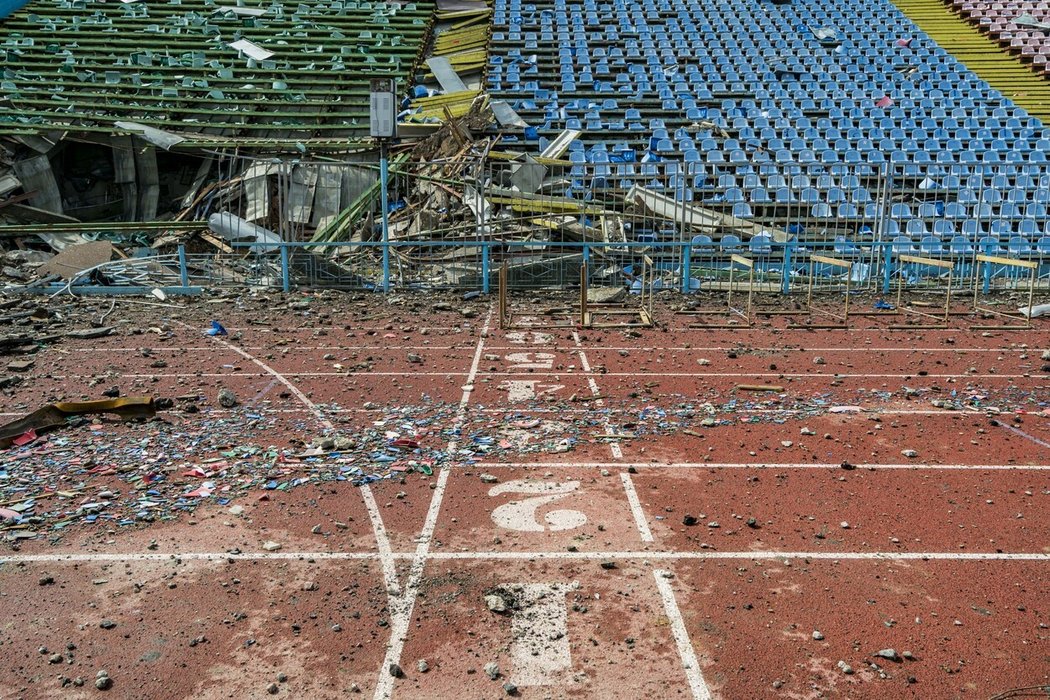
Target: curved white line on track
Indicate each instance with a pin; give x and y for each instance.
(378, 529)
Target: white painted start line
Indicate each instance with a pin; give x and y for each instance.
(585, 373)
(755, 465)
(539, 622)
(624, 555)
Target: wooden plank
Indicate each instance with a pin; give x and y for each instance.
(1031, 265)
(831, 261)
(741, 260)
(944, 264)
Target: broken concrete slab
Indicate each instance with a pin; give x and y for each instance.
(88, 333)
(77, 258)
(605, 295)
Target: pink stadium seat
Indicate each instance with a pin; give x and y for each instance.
(997, 18)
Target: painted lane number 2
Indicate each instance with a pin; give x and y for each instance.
(523, 514)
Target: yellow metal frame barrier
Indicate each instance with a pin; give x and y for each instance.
(942, 320)
(636, 317)
(841, 318)
(1029, 265)
(730, 312)
(559, 317)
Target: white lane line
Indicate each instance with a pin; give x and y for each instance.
(382, 541)
(681, 637)
(749, 349)
(614, 446)
(278, 349)
(297, 375)
(107, 557)
(756, 555)
(598, 348)
(262, 393)
(405, 374)
(636, 508)
(525, 410)
(793, 375)
(758, 465)
(290, 331)
(402, 607)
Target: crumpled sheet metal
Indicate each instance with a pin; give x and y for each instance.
(55, 415)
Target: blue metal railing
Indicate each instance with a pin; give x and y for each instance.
(876, 268)
(682, 266)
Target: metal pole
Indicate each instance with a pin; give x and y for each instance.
(484, 268)
(385, 222)
(687, 267)
(286, 284)
(886, 249)
(184, 274)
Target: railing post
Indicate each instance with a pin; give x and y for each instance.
(887, 266)
(286, 282)
(687, 268)
(986, 283)
(384, 214)
(484, 268)
(184, 274)
(785, 271)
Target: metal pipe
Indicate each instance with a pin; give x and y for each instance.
(383, 174)
(184, 274)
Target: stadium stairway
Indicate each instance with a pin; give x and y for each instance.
(981, 54)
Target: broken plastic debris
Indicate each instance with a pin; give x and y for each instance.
(1034, 311)
(216, 329)
(25, 438)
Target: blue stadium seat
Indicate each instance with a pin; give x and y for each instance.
(960, 246)
(931, 246)
(742, 210)
(730, 243)
(703, 245)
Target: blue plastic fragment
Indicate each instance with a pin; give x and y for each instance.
(216, 329)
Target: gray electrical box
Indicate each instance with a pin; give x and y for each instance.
(382, 109)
